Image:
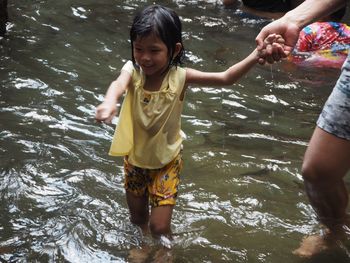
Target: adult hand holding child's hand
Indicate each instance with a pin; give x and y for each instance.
(276, 40)
(273, 49)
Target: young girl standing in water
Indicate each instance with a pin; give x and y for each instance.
(148, 132)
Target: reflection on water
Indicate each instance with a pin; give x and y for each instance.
(62, 197)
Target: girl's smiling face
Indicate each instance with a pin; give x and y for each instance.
(151, 54)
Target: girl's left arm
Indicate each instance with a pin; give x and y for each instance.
(228, 77)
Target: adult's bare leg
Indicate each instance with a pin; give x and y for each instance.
(326, 162)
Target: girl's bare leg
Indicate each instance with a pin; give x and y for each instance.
(139, 210)
(160, 221)
(160, 225)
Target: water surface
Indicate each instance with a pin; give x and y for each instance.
(62, 197)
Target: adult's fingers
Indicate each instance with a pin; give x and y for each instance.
(270, 39)
(287, 50)
(260, 39)
(269, 50)
(265, 57)
(278, 52)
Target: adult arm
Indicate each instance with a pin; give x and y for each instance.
(291, 24)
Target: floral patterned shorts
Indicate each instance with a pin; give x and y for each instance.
(161, 185)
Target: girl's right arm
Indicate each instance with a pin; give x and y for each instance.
(108, 108)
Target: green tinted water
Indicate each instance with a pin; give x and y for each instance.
(62, 198)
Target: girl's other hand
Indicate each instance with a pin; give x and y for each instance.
(105, 112)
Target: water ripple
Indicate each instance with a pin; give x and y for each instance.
(241, 197)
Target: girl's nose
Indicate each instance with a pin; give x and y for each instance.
(146, 56)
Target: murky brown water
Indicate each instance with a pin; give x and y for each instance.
(62, 197)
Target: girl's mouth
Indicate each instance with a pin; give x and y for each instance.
(147, 66)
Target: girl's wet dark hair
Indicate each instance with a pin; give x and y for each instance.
(164, 23)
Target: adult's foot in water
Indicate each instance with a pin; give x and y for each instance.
(315, 244)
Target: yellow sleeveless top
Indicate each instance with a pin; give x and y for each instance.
(149, 125)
